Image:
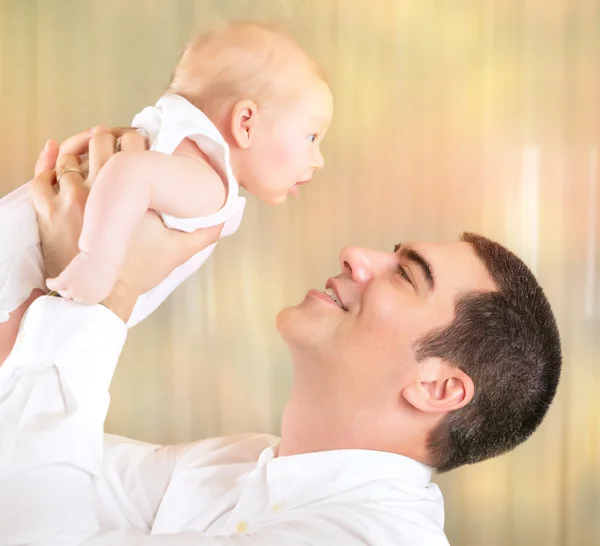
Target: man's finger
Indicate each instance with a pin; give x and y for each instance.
(133, 141)
(67, 160)
(102, 147)
(68, 173)
(42, 192)
(118, 132)
(78, 144)
(47, 158)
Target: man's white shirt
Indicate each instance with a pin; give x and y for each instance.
(64, 482)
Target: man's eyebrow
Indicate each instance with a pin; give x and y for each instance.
(412, 255)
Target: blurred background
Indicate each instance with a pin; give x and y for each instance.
(449, 116)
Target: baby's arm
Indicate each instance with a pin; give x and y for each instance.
(126, 187)
(132, 182)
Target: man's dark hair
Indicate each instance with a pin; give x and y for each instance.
(508, 343)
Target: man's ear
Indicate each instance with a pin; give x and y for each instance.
(244, 118)
(439, 387)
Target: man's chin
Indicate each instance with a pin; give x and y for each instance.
(298, 325)
(285, 319)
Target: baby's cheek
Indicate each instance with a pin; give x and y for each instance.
(282, 155)
(284, 148)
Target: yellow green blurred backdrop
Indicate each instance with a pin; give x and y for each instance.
(449, 116)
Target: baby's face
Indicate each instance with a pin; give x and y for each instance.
(287, 150)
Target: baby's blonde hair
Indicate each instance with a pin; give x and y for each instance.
(243, 60)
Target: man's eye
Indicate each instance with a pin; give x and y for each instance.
(403, 272)
(313, 137)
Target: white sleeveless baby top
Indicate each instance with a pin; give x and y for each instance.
(167, 123)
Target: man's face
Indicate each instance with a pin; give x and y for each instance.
(357, 333)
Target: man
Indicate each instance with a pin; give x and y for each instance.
(428, 357)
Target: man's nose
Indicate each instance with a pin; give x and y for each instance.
(360, 264)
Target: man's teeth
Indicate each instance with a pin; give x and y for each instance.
(332, 295)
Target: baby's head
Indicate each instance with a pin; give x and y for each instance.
(267, 97)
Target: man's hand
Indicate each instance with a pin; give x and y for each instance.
(60, 210)
(154, 250)
(60, 215)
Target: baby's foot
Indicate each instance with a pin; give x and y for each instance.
(86, 279)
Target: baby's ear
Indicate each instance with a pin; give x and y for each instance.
(243, 123)
(439, 387)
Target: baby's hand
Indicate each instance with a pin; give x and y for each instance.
(87, 279)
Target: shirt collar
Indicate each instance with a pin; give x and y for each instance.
(306, 477)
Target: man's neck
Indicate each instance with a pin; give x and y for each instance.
(309, 427)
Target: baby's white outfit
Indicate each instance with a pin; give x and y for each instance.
(167, 123)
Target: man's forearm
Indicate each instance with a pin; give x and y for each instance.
(120, 301)
(68, 349)
(53, 403)
(10, 328)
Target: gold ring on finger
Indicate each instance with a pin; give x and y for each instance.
(68, 170)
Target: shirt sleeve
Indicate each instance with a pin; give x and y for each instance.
(53, 403)
(54, 385)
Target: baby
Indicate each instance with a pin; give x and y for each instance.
(245, 106)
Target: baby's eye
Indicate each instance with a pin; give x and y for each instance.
(313, 137)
